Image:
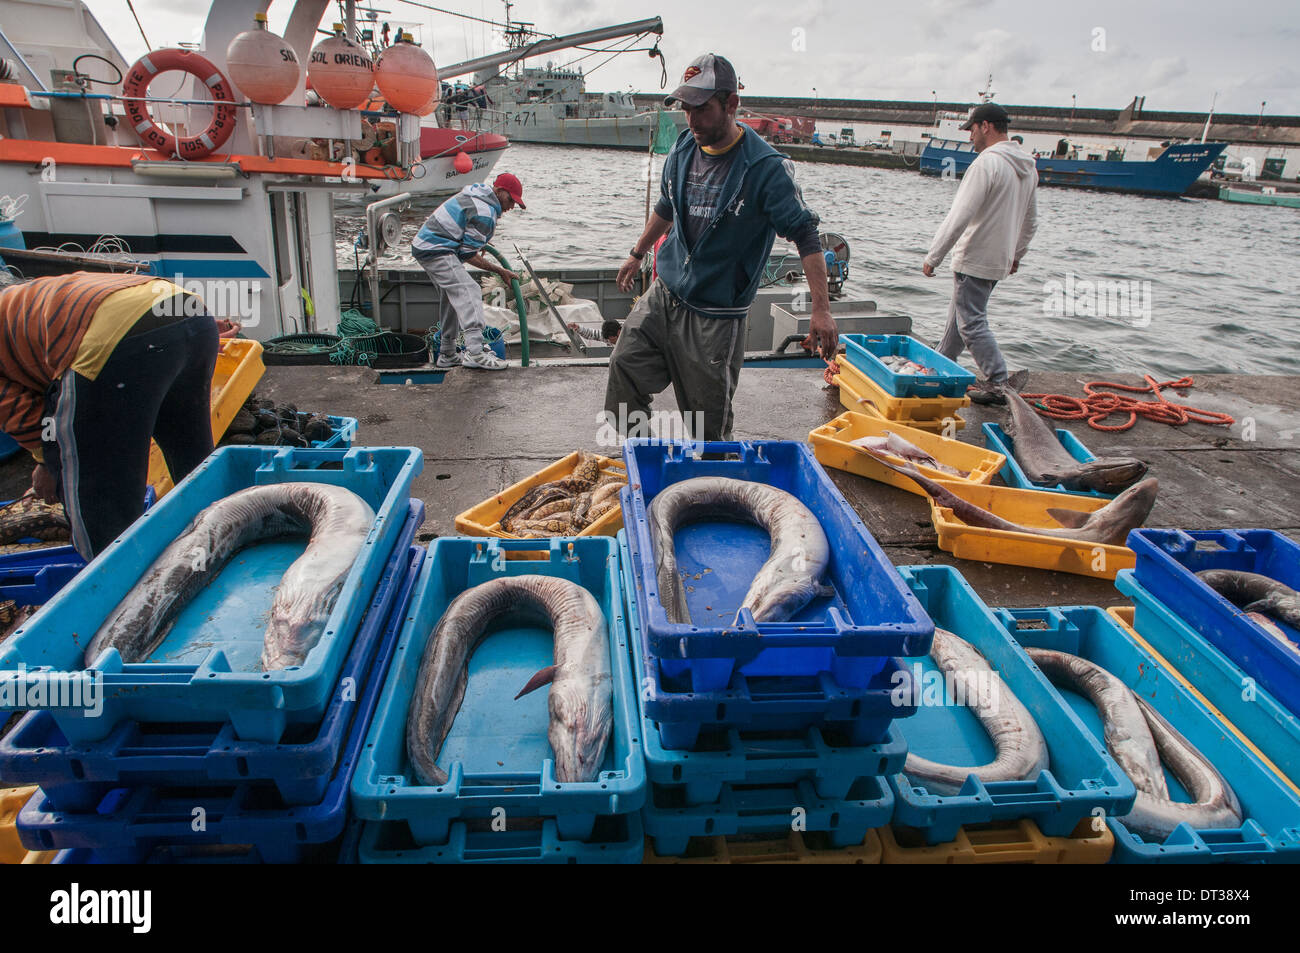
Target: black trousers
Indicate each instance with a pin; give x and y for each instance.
(156, 384)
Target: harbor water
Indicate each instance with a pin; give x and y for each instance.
(1111, 283)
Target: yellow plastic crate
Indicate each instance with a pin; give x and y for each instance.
(484, 519)
(238, 369)
(791, 848)
(12, 850)
(1018, 842)
(1124, 616)
(925, 413)
(1027, 508)
(832, 445)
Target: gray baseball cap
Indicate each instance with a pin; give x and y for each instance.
(707, 74)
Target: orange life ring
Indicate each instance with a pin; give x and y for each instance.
(150, 133)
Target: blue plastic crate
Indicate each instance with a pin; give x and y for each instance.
(744, 809)
(62, 554)
(207, 668)
(617, 839)
(757, 703)
(164, 854)
(1167, 563)
(1271, 826)
(486, 771)
(871, 616)
(131, 820)
(1260, 717)
(999, 441)
(865, 350)
(36, 585)
(344, 432)
(1081, 775)
(75, 778)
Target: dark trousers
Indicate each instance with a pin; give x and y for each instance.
(157, 384)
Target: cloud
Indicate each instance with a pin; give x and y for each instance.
(1164, 70)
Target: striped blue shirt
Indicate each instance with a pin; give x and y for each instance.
(463, 224)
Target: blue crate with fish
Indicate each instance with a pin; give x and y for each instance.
(615, 839)
(905, 367)
(763, 809)
(828, 596)
(130, 822)
(76, 777)
(758, 703)
(1237, 589)
(28, 554)
(1263, 719)
(999, 441)
(495, 750)
(1176, 750)
(982, 765)
(343, 431)
(208, 666)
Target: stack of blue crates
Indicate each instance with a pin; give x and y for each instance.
(197, 755)
(765, 727)
(501, 801)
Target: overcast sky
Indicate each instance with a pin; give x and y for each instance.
(1177, 54)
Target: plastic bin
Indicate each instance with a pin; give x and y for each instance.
(1167, 563)
(344, 432)
(767, 809)
(1081, 776)
(238, 369)
(619, 839)
(36, 585)
(832, 444)
(1262, 718)
(129, 823)
(207, 668)
(1027, 508)
(1123, 615)
(759, 703)
(790, 848)
(76, 778)
(997, 439)
(484, 519)
(1017, 842)
(924, 413)
(497, 755)
(12, 850)
(870, 617)
(1270, 830)
(864, 352)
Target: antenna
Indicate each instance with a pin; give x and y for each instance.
(986, 94)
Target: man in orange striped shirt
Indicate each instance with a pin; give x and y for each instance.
(91, 367)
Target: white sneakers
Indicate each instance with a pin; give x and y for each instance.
(447, 363)
(484, 360)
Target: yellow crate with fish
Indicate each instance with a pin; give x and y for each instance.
(860, 393)
(576, 495)
(238, 369)
(793, 847)
(12, 850)
(843, 444)
(1017, 842)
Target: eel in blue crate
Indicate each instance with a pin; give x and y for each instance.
(581, 698)
(1020, 746)
(790, 578)
(1141, 741)
(337, 522)
(1259, 597)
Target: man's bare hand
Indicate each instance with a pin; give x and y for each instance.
(823, 336)
(43, 484)
(627, 274)
(928, 270)
(507, 275)
(1015, 266)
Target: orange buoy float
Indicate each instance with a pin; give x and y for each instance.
(406, 75)
(462, 163)
(263, 65)
(136, 86)
(341, 72)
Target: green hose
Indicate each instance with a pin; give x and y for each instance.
(519, 306)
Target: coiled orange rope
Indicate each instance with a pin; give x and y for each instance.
(1100, 404)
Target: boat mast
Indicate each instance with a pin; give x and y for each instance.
(1206, 131)
(522, 47)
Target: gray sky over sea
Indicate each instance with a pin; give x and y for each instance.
(1177, 54)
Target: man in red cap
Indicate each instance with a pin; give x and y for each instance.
(453, 236)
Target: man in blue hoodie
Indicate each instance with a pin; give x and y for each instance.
(724, 196)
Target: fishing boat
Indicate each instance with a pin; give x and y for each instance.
(1170, 173)
(1259, 198)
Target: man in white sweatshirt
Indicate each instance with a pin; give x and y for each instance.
(990, 224)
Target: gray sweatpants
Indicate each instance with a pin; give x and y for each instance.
(663, 342)
(461, 307)
(968, 327)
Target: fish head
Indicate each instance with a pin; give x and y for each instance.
(289, 637)
(579, 729)
(1132, 507)
(1111, 475)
